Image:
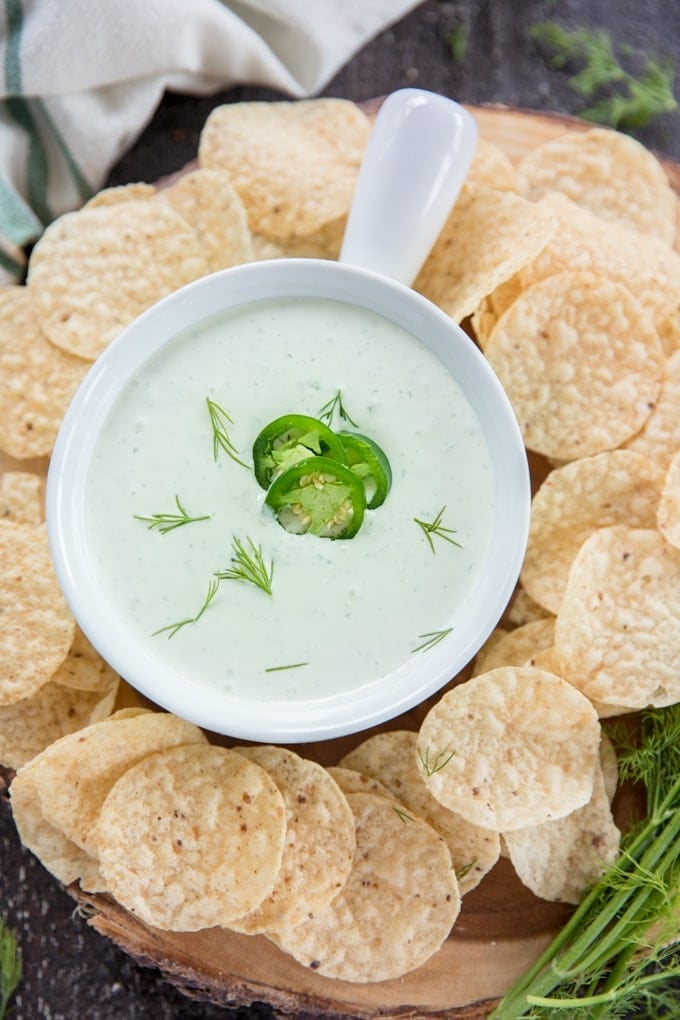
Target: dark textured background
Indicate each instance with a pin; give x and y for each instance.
(71, 973)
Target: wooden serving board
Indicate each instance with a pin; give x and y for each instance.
(502, 927)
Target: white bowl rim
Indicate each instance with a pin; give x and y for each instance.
(293, 722)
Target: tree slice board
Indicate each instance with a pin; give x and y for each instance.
(502, 927)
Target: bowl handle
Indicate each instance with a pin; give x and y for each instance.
(415, 163)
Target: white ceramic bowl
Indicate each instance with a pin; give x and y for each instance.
(362, 704)
(77, 439)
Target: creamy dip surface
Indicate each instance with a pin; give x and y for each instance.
(352, 611)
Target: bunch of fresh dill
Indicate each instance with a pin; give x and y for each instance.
(619, 99)
(619, 954)
(10, 967)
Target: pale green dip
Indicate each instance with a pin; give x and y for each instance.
(353, 610)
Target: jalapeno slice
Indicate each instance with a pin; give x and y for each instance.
(369, 463)
(318, 495)
(289, 439)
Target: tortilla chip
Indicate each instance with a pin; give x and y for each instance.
(191, 837)
(38, 628)
(581, 363)
(616, 635)
(607, 172)
(137, 252)
(487, 238)
(510, 748)
(402, 875)
(293, 164)
(616, 487)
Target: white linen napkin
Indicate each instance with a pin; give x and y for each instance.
(82, 78)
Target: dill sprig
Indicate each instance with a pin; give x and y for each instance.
(11, 966)
(436, 528)
(168, 522)
(621, 948)
(402, 814)
(172, 628)
(439, 762)
(465, 869)
(621, 99)
(248, 566)
(290, 665)
(457, 42)
(220, 422)
(333, 406)
(431, 639)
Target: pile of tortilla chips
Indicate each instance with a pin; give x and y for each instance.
(564, 271)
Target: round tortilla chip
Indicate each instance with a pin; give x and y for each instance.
(293, 164)
(668, 516)
(320, 841)
(121, 193)
(616, 487)
(76, 774)
(669, 334)
(487, 238)
(209, 203)
(27, 727)
(396, 909)
(351, 781)
(83, 669)
(517, 647)
(62, 858)
(38, 628)
(522, 609)
(21, 497)
(559, 859)
(660, 438)
(584, 242)
(391, 757)
(491, 168)
(510, 748)
(37, 380)
(616, 635)
(606, 172)
(581, 363)
(490, 309)
(609, 765)
(192, 837)
(95, 270)
(324, 243)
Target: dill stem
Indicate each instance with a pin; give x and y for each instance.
(611, 923)
(603, 998)
(658, 856)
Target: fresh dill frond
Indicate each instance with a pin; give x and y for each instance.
(248, 565)
(652, 756)
(620, 950)
(220, 422)
(335, 406)
(647, 97)
(465, 869)
(457, 42)
(11, 966)
(439, 762)
(431, 639)
(290, 665)
(620, 99)
(172, 628)
(402, 815)
(168, 522)
(436, 528)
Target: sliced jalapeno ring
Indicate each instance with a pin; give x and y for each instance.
(320, 496)
(289, 439)
(369, 462)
